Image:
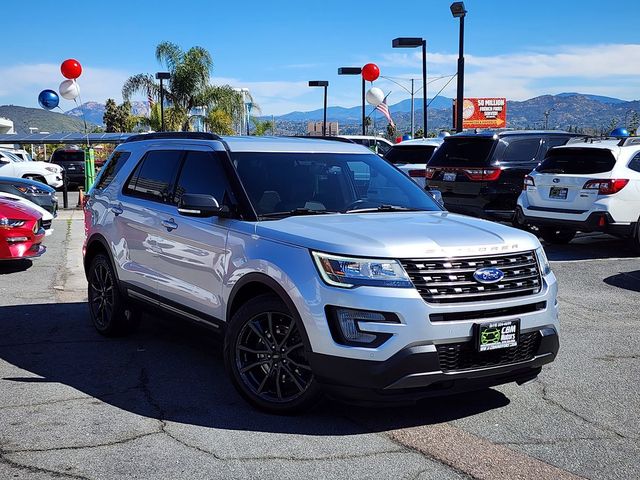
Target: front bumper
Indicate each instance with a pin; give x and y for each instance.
(425, 370)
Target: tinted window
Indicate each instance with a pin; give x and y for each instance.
(281, 182)
(202, 172)
(153, 177)
(556, 141)
(113, 166)
(414, 154)
(522, 150)
(463, 152)
(383, 147)
(634, 164)
(577, 161)
(67, 156)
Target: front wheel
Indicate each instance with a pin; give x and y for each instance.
(265, 357)
(557, 236)
(110, 313)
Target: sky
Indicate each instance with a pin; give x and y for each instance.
(515, 49)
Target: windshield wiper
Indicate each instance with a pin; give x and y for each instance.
(387, 208)
(296, 211)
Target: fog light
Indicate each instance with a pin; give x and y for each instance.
(349, 326)
(17, 239)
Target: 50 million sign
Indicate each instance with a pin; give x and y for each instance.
(483, 113)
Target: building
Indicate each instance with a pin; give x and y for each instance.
(6, 126)
(315, 128)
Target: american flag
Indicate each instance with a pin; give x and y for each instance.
(384, 109)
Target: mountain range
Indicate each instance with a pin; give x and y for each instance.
(576, 111)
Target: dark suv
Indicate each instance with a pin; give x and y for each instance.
(72, 160)
(481, 174)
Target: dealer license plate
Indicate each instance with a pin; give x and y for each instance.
(449, 176)
(558, 192)
(495, 335)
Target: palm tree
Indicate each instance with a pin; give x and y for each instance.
(188, 86)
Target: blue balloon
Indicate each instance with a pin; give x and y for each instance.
(619, 132)
(48, 99)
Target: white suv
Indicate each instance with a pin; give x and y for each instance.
(320, 280)
(588, 185)
(13, 166)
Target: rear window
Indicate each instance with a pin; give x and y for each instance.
(463, 152)
(68, 156)
(577, 161)
(413, 154)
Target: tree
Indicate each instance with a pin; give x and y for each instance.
(392, 132)
(634, 122)
(261, 127)
(220, 122)
(419, 133)
(110, 116)
(188, 86)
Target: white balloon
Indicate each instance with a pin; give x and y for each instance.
(69, 89)
(374, 96)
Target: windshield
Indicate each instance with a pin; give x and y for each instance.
(413, 154)
(463, 152)
(577, 161)
(11, 157)
(307, 183)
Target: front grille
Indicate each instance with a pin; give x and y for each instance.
(490, 313)
(450, 280)
(464, 356)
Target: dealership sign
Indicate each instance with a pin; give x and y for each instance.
(483, 113)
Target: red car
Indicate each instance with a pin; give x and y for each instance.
(21, 231)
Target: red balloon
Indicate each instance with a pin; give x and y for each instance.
(71, 69)
(370, 72)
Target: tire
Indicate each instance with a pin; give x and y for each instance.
(251, 359)
(557, 236)
(635, 238)
(110, 313)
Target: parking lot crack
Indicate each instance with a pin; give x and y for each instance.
(30, 468)
(87, 446)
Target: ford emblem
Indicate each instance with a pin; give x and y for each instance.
(488, 275)
(556, 180)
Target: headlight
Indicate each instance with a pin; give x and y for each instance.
(10, 223)
(30, 189)
(351, 272)
(52, 169)
(543, 261)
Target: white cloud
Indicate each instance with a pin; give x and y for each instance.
(21, 84)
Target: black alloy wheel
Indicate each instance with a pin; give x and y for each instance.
(265, 356)
(110, 313)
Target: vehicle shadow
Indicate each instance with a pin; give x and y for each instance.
(625, 280)
(174, 371)
(593, 246)
(14, 266)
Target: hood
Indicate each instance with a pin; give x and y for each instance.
(398, 234)
(11, 209)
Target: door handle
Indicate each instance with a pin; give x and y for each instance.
(169, 224)
(116, 210)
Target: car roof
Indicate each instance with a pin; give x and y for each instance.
(508, 133)
(291, 145)
(431, 142)
(607, 144)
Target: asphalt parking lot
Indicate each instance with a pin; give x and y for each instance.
(158, 404)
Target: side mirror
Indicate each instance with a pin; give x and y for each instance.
(198, 205)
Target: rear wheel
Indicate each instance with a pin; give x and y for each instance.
(110, 312)
(557, 235)
(635, 238)
(265, 357)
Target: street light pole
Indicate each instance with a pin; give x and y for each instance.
(546, 117)
(411, 42)
(162, 76)
(325, 84)
(356, 71)
(458, 11)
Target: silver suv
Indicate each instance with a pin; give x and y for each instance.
(325, 268)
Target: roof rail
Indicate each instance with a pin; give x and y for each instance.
(173, 135)
(625, 142)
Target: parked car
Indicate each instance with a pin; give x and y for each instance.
(72, 160)
(379, 145)
(47, 217)
(12, 166)
(590, 186)
(319, 281)
(36, 192)
(411, 156)
(481, 174)
(21, 231)
(20, 153)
